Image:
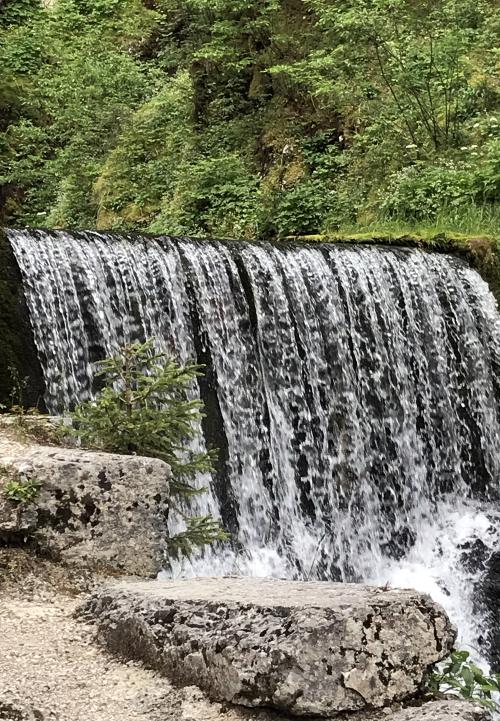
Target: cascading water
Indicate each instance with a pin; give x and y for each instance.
(354, 394)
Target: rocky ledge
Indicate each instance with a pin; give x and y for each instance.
(100, 511)
(301, 648)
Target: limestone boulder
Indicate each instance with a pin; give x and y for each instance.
(97, 510)
(303, 648)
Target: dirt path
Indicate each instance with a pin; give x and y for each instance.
(49, 662)
(52, 668)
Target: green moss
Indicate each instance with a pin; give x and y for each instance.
(17, 347)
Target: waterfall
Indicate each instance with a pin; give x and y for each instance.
(353, 393)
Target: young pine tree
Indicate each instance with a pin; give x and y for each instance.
(144, 409)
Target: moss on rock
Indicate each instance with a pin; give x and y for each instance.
(17, 345)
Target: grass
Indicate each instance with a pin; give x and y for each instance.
(469, 221)
(472, 231)
(454, 227)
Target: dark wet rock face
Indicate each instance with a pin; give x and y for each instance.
(18, 350)
(491, 599)
(480, 558)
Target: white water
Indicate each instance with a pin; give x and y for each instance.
(353, 392)
(435, 565)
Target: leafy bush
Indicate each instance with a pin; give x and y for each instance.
(419, 192)
(143, 408)
(303, 208)
(459, 676)
(213, 196)
(488, 172)
(141, 172)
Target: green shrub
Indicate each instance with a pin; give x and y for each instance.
(303, 208)
(21, 490)
(213, 196)
(419, 192)
(488, 173)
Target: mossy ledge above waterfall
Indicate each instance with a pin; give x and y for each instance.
(482, 252)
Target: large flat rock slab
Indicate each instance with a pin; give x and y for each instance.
(305, 648)
(101, 511)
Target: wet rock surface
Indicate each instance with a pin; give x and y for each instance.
(97, 510)
(303, 648)
(18, 348)
(491, 599)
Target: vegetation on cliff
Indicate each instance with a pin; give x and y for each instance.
(263, 119)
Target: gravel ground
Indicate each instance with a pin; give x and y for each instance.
(49, 662)
(52, 669)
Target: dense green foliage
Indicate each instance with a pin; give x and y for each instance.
(144, 408)
(271, 118)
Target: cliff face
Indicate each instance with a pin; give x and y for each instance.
(18, 356)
